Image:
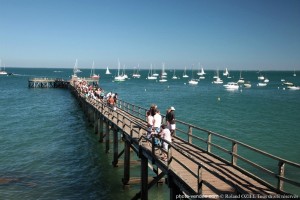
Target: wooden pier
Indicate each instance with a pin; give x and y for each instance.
(57, 82)
(201, 164)
(47, 83)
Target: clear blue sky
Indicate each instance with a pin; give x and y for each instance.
(238, 34)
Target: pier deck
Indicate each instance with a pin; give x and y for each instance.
(190, 169)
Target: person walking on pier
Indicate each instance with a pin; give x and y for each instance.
(170, 118)
(150, 120)
(111, 102)
(157, 121)
(165, 134)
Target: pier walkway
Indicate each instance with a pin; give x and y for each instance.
(201, 164)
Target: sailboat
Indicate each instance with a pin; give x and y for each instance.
(225, 73)
(136, 73)
(124, 74)
(294, 73)
(193, 81)
(119, 78)
(163, 73)
(241, 80)
(93, 74)
(184, 73)
(2, 71)
(201, 73)
(75, 70)
(107, 71)
(217, 79)
(174, 75)
(151, 75)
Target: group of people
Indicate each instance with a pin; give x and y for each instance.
(158, 129)
(97, 93)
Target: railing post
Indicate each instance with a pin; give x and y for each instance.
(281, 169)
(200, 179)
(169, 156)
(190, 133)
(234, 153)
(209, 142)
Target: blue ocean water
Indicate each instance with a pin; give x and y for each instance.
(48, 150)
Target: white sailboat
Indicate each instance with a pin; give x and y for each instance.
(174, 75)
(93, 75)
(75, 69)
(107, 71)
(193, 81)
(151, 75)
(201, 73)
(241, 80)
(226, 73)
(163, 73)
(2, 71)
(217, 80)
(119, 78)
(184, 73)
(136, 73)
(124, 73)
(294, 73)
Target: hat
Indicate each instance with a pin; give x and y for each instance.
(172, 108)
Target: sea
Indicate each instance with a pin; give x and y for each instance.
(48, 149)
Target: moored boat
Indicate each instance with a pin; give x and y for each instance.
(231, 86)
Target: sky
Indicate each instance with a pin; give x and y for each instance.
(214, 34)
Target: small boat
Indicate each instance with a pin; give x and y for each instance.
(93, 75)
(201, 77)
(231, 86)
(119, 78)
(2, 71)
(193, 82)
(163, 73)
(184, 74)
(107, 71)
(293, 87)
(266, 80)
(260, 77)
(75, 70)
(226, 73)
(151, 75)
(262, 84)
(174, 75)
(162, 80)
(247, 85)
(217, 79)
(288, 83)
(241, 80)
(136, 73)
(201, 73)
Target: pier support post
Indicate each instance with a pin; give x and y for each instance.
(107, 137)
(116, 150)
(174, 189)
(126, 177)
(100, 130)
(96, 116)
(144, 176)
